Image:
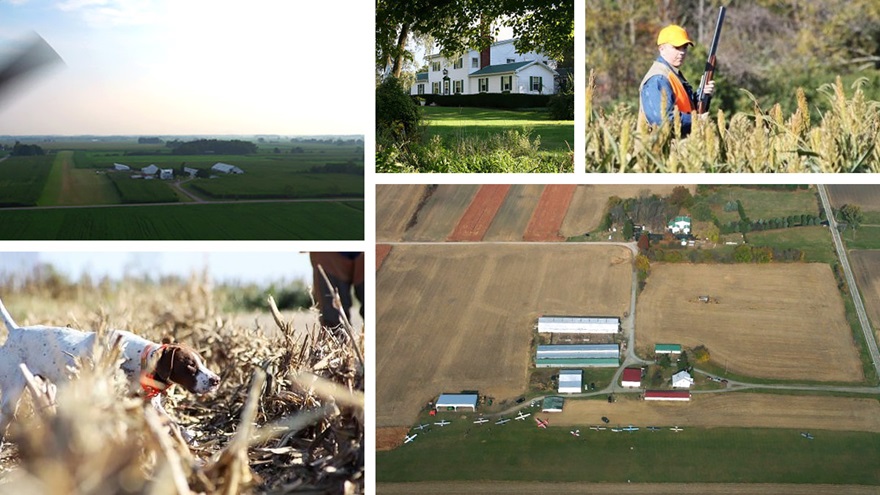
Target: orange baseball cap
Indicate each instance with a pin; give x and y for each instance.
(674, 35)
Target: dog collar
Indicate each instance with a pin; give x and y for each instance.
(149, 383)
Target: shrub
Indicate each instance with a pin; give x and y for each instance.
(398, 117)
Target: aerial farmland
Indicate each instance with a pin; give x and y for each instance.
(121, 188)
(743, 294)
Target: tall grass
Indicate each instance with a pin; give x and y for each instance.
(765, 140)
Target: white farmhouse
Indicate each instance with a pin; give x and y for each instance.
(496, 69)
(680, 225)
(682, 379)
(166, 174)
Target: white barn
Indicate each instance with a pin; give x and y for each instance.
(457, 401)
(151, 169)
(571, 381)
(190, 171)
(682, 379)
(166, 174)
(226, 168)
(120, 166)
(578, 324)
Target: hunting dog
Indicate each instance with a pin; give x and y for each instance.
(49, 352)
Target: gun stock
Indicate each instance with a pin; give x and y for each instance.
(703, 100)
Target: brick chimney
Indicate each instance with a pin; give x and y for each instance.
(484, 57)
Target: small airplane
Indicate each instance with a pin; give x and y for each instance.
(594, 428)
(807, 435)
(616, 430)
(542, 423)
(653, 428)
(420, 427)
(481, 421)
(676, 429)
(442, 423)
(575, 433)
(410, 438)
(522, 416)
(631, 428)
(502, 421)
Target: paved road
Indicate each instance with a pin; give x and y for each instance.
(850, 280)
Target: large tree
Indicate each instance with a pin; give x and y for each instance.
(459, 25)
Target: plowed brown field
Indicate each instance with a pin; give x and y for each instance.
(731, 410)
(395, 207)
(866, 268)
(547, 219)
(382, 251)
(441, 213)
(453, 318)
(867, 196)
(780, 321)
(511, 220)
(588, 203)
(479, 215)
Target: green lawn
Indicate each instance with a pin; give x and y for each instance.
(814, 241)
(455, 123)
(342, 220)
(763, 203)
(865, 237)
(520, 452)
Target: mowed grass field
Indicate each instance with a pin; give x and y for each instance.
(518, 451)
(452, 317)
(331, 220)
(455, 123)
(775, 321)
(763, 202)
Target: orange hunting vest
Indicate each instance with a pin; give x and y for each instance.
(682, 99)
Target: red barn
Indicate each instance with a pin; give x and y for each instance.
(668, 395)
(632, 377)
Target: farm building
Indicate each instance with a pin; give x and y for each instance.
(151, 169)
(580, 356)
(632, 377)
(679, 225)
(552, 404)
(682, 379)
(120, 166)
(571, 381)
(456, 401)
(667, 348)
(190, 171)
(679, 395)
(166, 174)
(578, 324)
(226, 168)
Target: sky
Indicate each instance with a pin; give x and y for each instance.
(250, 267)
(165, 67)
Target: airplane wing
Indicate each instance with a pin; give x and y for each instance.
(34, 56)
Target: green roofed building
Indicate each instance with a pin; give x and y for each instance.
(667, 348)
(577, 363)
(553, 404)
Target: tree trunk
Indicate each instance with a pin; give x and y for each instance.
(400, 50)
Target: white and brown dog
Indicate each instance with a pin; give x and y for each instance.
(49, 351)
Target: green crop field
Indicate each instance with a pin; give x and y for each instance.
(258, 182)
(142, 190)
(456, 123)
(22, 179)
(520, 452)
(342, 220)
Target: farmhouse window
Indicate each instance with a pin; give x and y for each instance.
(536, 83)
(459, 63)
(475, 62)
(435, 88)
(458, 86)
(421, 89)
(506, 83)
(511, 60)
(484, 84)
(435, 66)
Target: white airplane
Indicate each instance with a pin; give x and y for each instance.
(502, 421)
(575, 433)
(542, 423)
(522, 416)
(594, 428)
(676, 429)
(653, 428)
(409, 439)
(631, 428)
(601, 428)
(616, 430)
(481, 421)
(807, 435)
(442, 423)
(420, 427)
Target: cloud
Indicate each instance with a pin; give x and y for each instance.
(112, 13)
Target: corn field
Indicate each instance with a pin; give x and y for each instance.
(288, 415)
(843, 140)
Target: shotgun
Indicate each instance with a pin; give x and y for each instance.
(709, 72)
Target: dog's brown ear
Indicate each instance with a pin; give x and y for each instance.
(167, 340)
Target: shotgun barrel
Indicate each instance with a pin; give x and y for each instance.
(709, 72)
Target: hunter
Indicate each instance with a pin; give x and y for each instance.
(665, 82)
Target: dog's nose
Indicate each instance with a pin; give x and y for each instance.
(214, 380)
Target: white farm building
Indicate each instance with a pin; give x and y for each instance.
(166, 174)
(120, 166)
(682, 379)
(571, 381)
(151, 169)
(455, 402)
(578, 324)
(226, 168)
